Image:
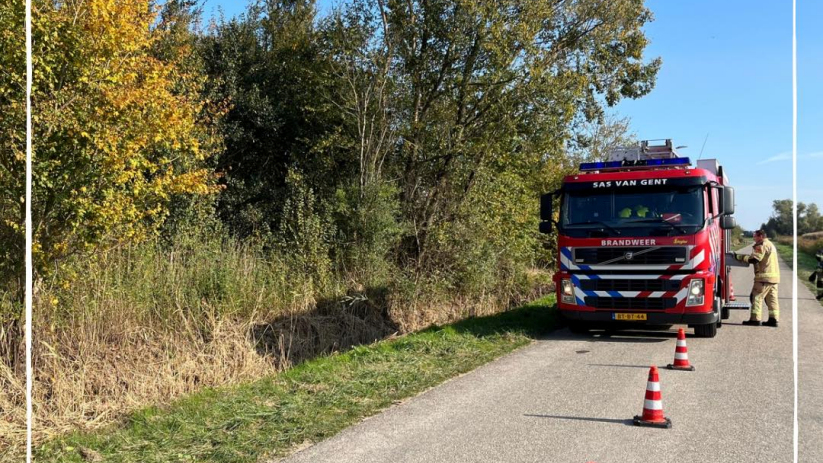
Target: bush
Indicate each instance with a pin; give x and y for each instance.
(809, 243)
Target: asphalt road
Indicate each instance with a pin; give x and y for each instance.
(570, 398)
(810, 375)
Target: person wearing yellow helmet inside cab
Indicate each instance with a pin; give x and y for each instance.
(638, 211)
(766, 279)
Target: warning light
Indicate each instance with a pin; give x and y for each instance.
(628, 164)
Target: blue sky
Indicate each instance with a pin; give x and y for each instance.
(727, 73)
(810, 101)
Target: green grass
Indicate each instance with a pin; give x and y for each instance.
(309, 402)
(806, 264)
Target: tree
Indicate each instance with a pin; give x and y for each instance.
(358, 53)
(444, 118)
(12, 181)
(268, 64)
(781, 220)
(119, 129)
(594, 140)
(737, 236)
(810, 221)
(12, 147)
(491, 87)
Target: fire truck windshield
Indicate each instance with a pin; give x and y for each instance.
(632, 212)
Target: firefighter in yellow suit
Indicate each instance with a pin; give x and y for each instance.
(766, 279)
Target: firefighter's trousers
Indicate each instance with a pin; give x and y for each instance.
(764, 292)
(818, 276)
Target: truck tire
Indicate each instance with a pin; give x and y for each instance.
(725, 313)
(717, 304)
(706, 331)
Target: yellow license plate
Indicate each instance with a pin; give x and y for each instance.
(629, 316)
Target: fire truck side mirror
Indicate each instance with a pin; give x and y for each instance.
(546, 206)
(728, 222)
(728, 200)
(546, 213)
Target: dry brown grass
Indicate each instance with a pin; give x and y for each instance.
(420, 312)
(787, 240)
(809, 243)
(91, 374)
(12, 381)
(12, 413)
(139, 326)
(133, 329)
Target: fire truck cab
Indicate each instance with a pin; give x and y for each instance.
(642, 239)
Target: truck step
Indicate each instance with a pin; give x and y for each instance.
(738, 305)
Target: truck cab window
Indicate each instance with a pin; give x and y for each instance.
(648, 211)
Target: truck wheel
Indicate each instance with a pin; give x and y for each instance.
(718, 310)
(706, 331)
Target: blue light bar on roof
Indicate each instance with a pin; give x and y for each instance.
(673, 162)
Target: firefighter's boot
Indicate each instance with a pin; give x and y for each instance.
(752, 322)
(772, 322)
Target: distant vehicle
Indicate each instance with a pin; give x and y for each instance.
(642, 238)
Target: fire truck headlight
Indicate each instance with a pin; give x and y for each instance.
(696, 292)
(567, 291)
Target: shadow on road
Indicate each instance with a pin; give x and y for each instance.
(738, 324)
(581, 418)
(612, 335)
(623, 366)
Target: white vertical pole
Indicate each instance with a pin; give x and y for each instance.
(29, 285)
(794, 221)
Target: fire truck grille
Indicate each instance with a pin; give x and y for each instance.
(631, 303)
(629, 285)
(670, 255)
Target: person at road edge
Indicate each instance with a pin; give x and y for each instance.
(817, 275)
(766, 279)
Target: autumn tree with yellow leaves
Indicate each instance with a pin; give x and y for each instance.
(119, 127)
(12, 144)
(12, 186)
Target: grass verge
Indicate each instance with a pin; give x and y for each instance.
(806, 263)
(308, 403)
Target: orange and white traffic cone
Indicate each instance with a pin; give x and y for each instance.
(653, 405)
(681, 354)
(731, 292)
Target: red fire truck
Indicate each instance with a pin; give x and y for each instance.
(642, 239)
